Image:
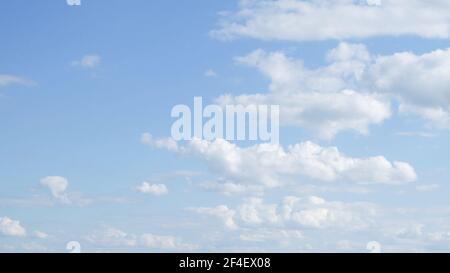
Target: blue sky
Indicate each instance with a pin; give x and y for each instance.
(79, 85)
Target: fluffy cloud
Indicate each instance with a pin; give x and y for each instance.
(11, 227)
(315, 212)
(57, 186)
(300, 20)
(308, 212)
(312, 223)
(323, 114)
(166, 143)
(254, 211)
(221, 212)
(420, 82)
(321, 100)
(346, 64)
(153, 189)
(354, 90)
(270, 164)
(88, 61)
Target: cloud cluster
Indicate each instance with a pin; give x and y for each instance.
(270, 164)
(303, 20)
(116, 237)
(222, 212)
(312, 223)
(322, 100)
(354, 90)
(310, 212)
(420, 82)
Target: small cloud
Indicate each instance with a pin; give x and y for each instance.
(153, 189)
(88, 61)
(11, 227)
(40, 234)
(210, 73)
(73, 2)
(57, 186)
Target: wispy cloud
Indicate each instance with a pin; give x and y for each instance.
(6, 80)
(88, 61)
(210, 73)
(416, 134)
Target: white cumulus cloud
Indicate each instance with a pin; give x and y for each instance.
(167, 143)
(153, 189)
(302, 20)
(354, 90)
(221, 212)
(270, 164)
(420, 82)
(325, 100)
(302, 212)
(11, 227)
